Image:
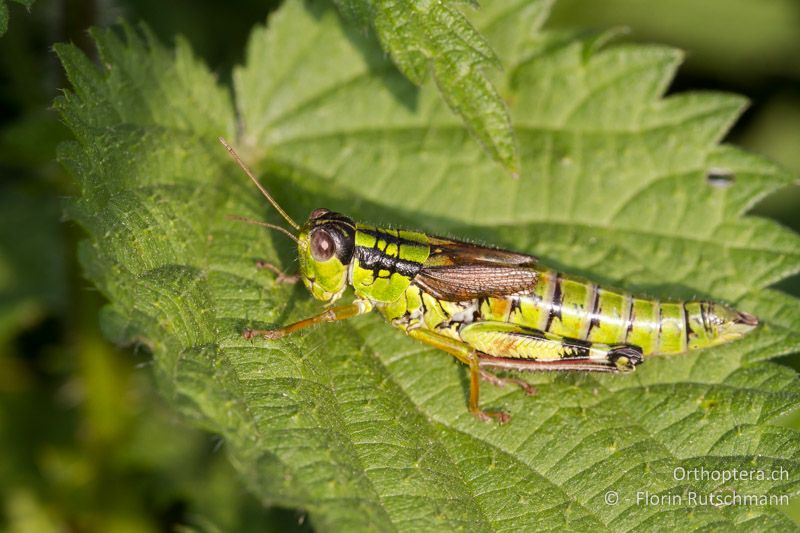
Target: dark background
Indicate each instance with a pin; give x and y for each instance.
(85, 442)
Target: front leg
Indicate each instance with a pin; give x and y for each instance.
(340, 312)
(282, 278)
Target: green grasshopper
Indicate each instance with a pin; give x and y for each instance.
(489, 308)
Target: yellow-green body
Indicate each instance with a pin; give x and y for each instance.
(557, 319)
(493, 308)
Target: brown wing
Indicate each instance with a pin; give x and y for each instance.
(458, 271)
(447, 252)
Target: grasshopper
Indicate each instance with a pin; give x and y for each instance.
(491, 309)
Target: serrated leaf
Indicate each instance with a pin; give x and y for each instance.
(354, 422)
(434, 38)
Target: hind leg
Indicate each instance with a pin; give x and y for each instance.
(515, 347)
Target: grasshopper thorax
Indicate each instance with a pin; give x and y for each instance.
(325, 247)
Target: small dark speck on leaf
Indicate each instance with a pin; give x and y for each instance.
(720, 178)
(708, 404)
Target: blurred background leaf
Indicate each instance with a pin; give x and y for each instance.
(734, 41)
(64, 464)
(4, 13)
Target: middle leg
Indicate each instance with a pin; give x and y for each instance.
(498, 381)
(469, 356)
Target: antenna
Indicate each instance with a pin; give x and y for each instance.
(249, 173)
(262, 224)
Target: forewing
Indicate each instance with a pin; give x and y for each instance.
(448, 252)
(458, 271)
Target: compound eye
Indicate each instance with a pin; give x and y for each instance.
(322, 245)
(317, 213)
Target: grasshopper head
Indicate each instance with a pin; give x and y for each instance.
(325, 243)
(325, 247)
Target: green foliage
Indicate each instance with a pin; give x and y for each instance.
(116, 461)
(357, 424)
(4, 13)
(425, 37)
(30, 286)
(726, 37)
(81, 429)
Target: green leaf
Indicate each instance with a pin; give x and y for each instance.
(4, 13)
(435, 38)
(354, 422)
